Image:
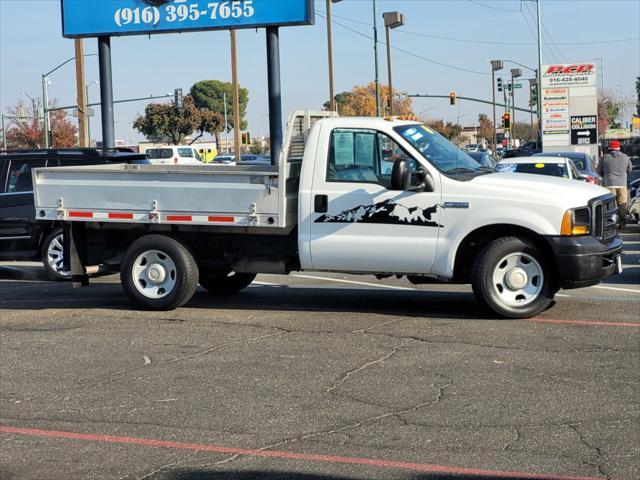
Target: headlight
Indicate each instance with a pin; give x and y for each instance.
(576, 221)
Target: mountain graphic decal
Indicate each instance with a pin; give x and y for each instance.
(387, 212)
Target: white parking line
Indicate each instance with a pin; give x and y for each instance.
(365, 284)
(617, 289)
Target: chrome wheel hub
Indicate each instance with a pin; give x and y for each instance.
(154, 274)
(518, 279)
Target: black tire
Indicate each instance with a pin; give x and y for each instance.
(491, 277)
(52, 256)
(177, 264)
(225, 282)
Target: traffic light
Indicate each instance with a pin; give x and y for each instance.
(506, 120)
(177, 97)
(499, 84)
(246, 139)
(533, 95)
(452, 98)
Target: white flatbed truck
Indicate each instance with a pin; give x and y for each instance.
(355, 195)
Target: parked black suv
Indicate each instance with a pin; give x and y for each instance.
(525, 150)
(21, 237)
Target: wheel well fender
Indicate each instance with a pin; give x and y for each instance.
(476, 240)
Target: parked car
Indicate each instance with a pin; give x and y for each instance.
(484, 158)
(551, 166)
(585, 163)
(21, 237)
(525, 150)
(225, 159)
(174, 155)
(472, 147)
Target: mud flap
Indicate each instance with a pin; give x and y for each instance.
(75, 253)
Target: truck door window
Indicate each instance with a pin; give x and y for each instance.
(362, 156)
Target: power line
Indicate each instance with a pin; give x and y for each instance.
(426, 59)
(493, 8)
(488, 42)
(550, 43)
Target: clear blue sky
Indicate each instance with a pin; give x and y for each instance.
(31, 43)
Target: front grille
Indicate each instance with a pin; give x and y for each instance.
(604, 226)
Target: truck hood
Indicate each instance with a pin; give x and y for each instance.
(541, 189)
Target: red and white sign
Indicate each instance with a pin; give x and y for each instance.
(572, 75)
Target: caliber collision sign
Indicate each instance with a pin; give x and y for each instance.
(584, 130)
(91, 18)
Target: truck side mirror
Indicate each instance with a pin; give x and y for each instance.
(400, 175)
(403, 179)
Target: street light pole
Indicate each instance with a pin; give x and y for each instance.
(95, 82)
(375, 54)
(515, 73)
(45, 112)
(226, 123)
(391, 20)
(495, 66)
(45, 97)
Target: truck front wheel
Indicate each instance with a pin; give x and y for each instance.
(225, 281)
(159, 273)
(512, 277)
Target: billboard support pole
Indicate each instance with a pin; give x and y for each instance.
(106, 94)
(275, 93)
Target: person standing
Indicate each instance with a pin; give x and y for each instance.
(614, 168)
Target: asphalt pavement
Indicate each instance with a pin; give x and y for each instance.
(317, 376)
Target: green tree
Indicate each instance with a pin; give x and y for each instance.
(209, 95)
(165, 122)
(485, 129)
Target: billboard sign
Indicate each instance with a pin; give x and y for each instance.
(569, 113)
(575, 75)
(92, 18)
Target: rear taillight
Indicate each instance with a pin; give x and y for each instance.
(592, 180)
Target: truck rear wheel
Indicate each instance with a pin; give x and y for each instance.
(225, 281)
(52, 254)
(512, 277)
(159, 273)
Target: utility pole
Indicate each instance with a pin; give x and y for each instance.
(375, 54)
(236, 96)
(539, 72)
(81, 98)
(515, 73)
(332, 105)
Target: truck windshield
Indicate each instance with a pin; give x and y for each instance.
(441, 153)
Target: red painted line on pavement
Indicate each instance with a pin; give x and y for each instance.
(198, 447)
(585, 322)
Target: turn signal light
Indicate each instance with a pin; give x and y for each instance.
(575, 222)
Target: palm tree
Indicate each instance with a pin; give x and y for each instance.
(638, 94)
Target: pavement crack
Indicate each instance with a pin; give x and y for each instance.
(598, 452)
(361, 368)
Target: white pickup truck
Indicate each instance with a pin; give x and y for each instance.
(356, 195)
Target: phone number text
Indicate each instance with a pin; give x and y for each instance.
(184, 13)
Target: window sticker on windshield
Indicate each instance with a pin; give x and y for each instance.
(540, 165)
(410, 131)
(506, 167)
(416, 136)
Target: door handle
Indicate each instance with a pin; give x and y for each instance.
(321, 203)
